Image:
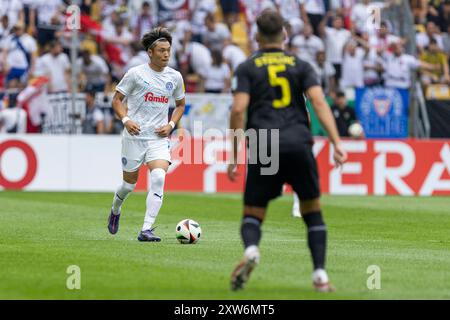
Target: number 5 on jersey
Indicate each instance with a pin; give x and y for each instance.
(279, 81)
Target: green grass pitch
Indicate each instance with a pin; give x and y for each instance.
(41, 234)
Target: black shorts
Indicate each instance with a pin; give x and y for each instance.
(298, 168)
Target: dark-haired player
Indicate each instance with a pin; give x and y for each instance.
(147, 88)
(268, 88)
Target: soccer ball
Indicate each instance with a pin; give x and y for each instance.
(355, 130)
(188, 231)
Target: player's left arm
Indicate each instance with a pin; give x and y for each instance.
(323, 113)
(237, 118)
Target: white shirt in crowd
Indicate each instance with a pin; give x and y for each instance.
(148, 94)
(422, 40)
(377, 42)
(234, 55)
(324, 72)
(9, 117)
(16, 57)
(372, 59)
(55, 68)
(353, 69)
(215, 38)
(140, 58)
(307, 47)
(11, 8)
(314, 6)
(216, 76)
(96, 71)
(289, 9)
(398, 70)
(359, 17)
(334, 42)
(125, 35)
(200, 9)
(199, 57)
(46, 10)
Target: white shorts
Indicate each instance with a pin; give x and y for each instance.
(135, 152)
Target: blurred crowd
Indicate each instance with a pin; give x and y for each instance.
(348, 42)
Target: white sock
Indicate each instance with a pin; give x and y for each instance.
(121, 194)
(252, 252)
(320, 276)
(296, 206)
(154, 197)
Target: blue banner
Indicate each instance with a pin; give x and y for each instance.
(383, 112)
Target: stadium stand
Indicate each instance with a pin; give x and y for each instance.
(36, 46)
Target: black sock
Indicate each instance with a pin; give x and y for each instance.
(317, 237)
(251, 231)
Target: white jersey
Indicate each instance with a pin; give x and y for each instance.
(148, 93)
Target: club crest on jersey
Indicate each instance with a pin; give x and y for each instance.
(150, 97)
(169, 86)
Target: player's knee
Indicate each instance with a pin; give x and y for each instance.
(130, 177)
(256, 212)
(307, 206)
(157, 177)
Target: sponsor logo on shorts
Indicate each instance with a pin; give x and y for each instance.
(150, 97)
(124, 161)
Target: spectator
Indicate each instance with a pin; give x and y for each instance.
(13, 119)
(56, 66)
(217, 75)
(398, 65)
(315, 12)
(439, 13)
(360, 16)
(215, 33)
(353, 66)
(121, 38)
(382, 40)
(343, 114)
(19, 54)
(45, 19)
(139, 56)
(325, 72)
(433, 55)
(93, 123)
(230, 10)
(232, 54)
(13, 9)
(193, 57)
(144, 21)
(93, 70)
(306, 45)
(200, 9)
(335, 39)
(293, 12)
(423, 38)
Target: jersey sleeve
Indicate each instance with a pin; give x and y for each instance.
(241, 80)
(308, 77)
(178, 93)
(126, 85)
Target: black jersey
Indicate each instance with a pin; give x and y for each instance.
(276, 82)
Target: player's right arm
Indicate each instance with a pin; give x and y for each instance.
(121, 112)
(323, 113)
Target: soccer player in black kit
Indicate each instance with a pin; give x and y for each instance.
(268, 90)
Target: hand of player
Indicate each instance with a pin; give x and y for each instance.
(164, 131)
(340, 155)
(132, 128)
(232, 172)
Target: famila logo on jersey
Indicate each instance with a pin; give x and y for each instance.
(150, 97)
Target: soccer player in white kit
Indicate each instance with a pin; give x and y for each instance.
(147, 88)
